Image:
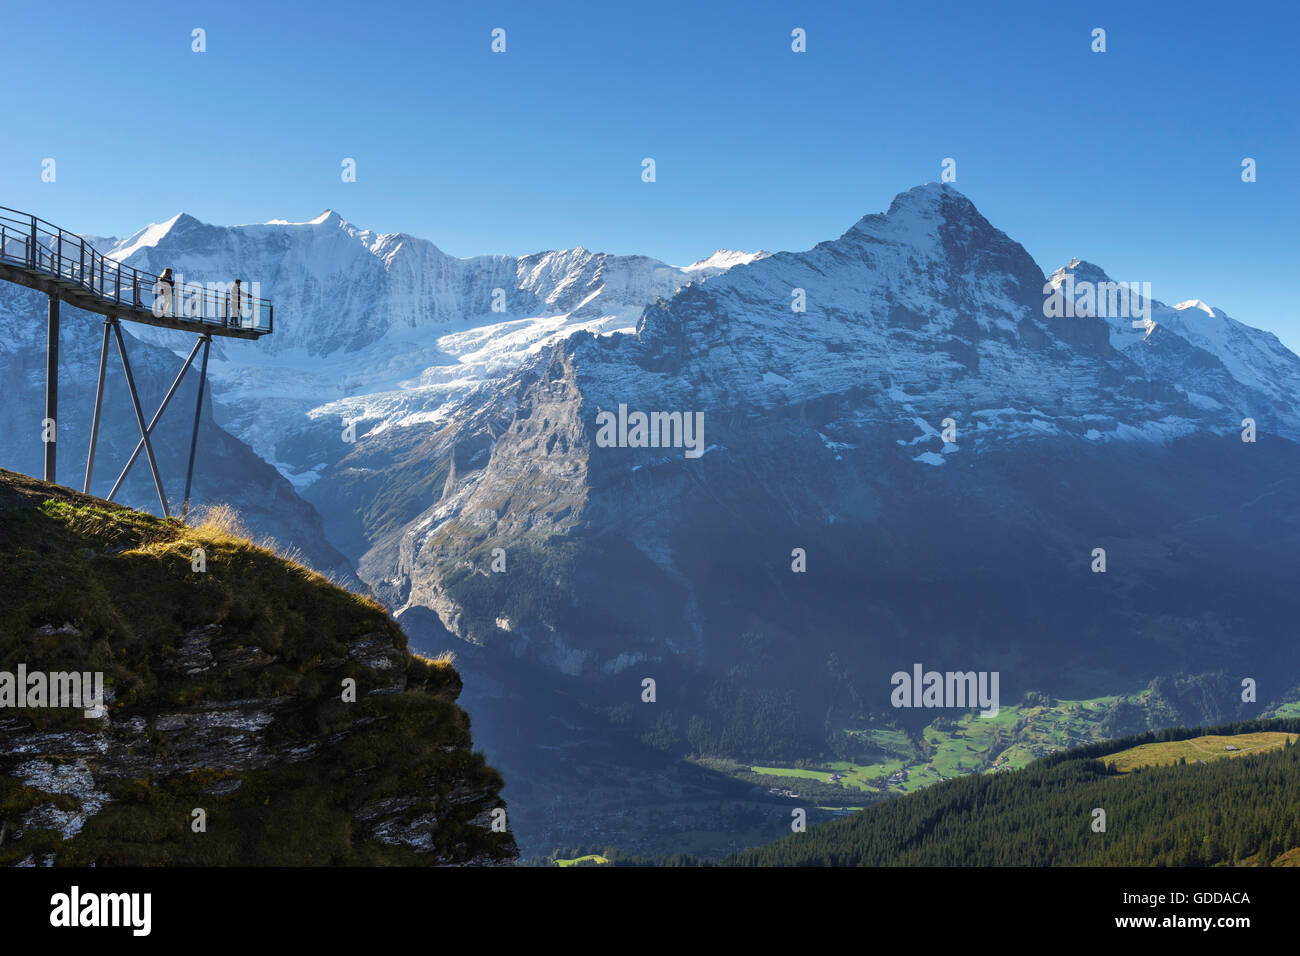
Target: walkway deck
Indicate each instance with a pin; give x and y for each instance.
(41, 256)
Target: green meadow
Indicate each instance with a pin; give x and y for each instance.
(1197, 750)
(950, 747)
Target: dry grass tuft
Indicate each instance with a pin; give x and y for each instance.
(445, 659)
(220, 522)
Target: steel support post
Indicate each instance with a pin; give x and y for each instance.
(99, 402)
(49, 427)
(194, 436)
(157, 415)
(139, 420)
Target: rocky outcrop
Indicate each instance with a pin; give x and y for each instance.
(252, 712)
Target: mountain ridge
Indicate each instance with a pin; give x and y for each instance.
(902, 404)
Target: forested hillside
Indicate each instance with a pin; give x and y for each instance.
(1220, 812)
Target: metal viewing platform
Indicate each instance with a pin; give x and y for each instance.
(44, 257)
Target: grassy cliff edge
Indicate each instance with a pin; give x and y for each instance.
(227, 671)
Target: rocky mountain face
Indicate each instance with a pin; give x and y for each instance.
(250, 714)
(379, 332)
(823, 436)
(385, 330)
(382, 333)
(909, 452)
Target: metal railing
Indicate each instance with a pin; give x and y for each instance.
(42, 247)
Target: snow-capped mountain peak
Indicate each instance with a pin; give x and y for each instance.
(386, 325)
(911, 363)
(329, 216)
(147, 237)
(1202, 351)
(1080, 270)
(722, 260)
(1198, 304)
(928, 297)
(926, 196)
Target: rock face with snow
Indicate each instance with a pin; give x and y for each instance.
(379, 334)
(826, 379)
(385, 329)
(824, 435)
(909, 453)
(377, 331)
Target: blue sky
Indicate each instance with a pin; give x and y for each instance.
(1130, 158)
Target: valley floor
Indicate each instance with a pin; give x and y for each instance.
(708, 807)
